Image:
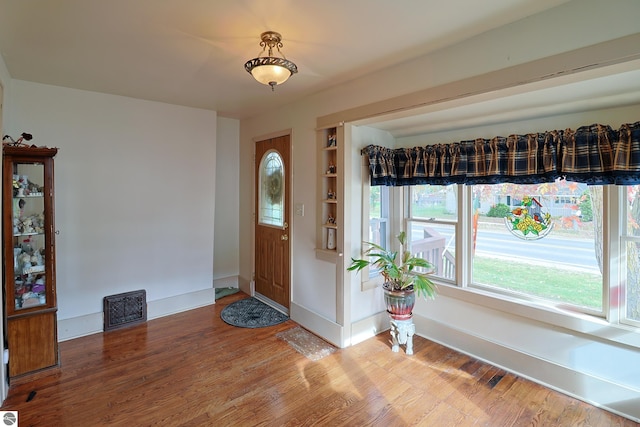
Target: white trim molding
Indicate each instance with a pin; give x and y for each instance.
(321, 326)
(89, 324)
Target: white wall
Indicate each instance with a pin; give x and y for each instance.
(227, 224)
(135, 198)
(574, 25)
(363, 302)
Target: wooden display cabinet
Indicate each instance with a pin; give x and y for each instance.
(29, 260)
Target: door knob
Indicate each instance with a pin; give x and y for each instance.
(284, 237)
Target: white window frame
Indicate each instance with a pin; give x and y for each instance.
(625, 238)
(372, 281)
(455, 223)
(575, 318)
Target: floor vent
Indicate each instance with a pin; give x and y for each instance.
(124, 309)
(494, 380)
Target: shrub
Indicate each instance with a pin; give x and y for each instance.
(585, 206)
(499, 211)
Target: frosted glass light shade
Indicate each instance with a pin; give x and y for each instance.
(270, 70)
(270, 74)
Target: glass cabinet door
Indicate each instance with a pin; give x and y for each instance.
(30, 246)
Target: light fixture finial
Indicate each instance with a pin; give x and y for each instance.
(271, 70)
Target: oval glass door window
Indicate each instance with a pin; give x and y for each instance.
(271, 196)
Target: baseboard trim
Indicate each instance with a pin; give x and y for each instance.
(89, 324)
(369, 327)
(321, 326)
(179, 303)
(227, 282)
(596, 391)
(80, 326)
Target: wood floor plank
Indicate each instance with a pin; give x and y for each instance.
(192, 369)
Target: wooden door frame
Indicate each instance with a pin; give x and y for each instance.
(288, 193)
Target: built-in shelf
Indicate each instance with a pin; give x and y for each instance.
(329, 189)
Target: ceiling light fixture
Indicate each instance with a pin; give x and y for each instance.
(271, 70)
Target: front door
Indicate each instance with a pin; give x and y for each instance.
(273, 187)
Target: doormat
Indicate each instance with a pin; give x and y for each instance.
(251, 313)
(223, 292)
(305, 343)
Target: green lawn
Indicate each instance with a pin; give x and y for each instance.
(431, 212)
(574, 287)
(556, 284)
(552, 283)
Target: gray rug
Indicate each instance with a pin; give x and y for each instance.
(306, 343)
(223, 292)
(251, 313)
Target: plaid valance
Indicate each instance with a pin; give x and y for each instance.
(594, 154)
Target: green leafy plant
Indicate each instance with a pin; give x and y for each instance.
(499, 211)
(585, 206)
(398, 275)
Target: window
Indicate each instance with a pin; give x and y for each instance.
(540, 249)
(431, 227)
(377, 225)
(271, 197)
(631, 245)
(540, 241)
(560, 263)
(379, 216)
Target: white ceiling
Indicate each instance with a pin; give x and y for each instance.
(192, 52)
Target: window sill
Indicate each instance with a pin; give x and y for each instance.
(577, 322)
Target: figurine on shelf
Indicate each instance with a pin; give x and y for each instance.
(332, 141)
(16, 254)
(26, 246)
(36, 259)
(30, 299)
(331, 219)
(16, 186)
(331, 239)
(24, 261)
(24, 136)
(27, 225)
(331, 195)
(332, 168)
(37, 222)
(34, 189)
(38, 286)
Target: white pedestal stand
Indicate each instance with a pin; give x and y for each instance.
(402, 333)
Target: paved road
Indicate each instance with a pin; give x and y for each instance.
(579, 253)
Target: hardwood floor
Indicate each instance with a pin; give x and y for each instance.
(193, 369)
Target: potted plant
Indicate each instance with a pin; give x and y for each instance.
(402, 280)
